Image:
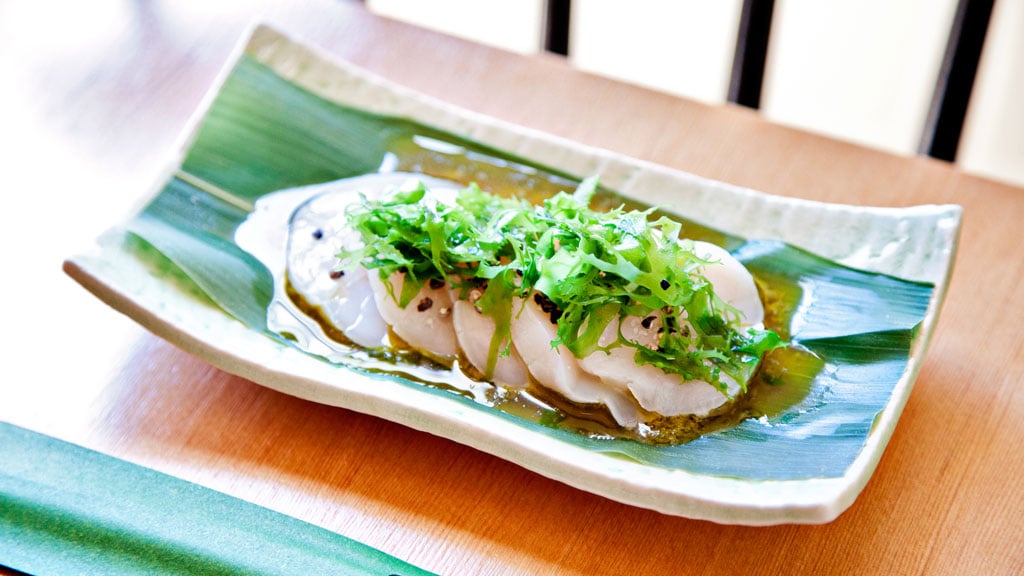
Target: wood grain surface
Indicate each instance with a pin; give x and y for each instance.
(94, 98)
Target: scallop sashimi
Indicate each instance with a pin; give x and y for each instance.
(318, 232)
(345, 298)
(475, 332)
(425, 323)
(654, 389)
(556, 368)
(732, 281)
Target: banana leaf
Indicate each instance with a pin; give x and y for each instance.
(263, 134)
(858, 334)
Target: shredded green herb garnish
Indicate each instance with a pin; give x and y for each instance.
(594, 267)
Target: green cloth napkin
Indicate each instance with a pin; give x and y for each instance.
(68, 510)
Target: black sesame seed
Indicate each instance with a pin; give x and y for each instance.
(548, 307)
(546, 304)
(424, 304)
(335, 274)
(664, 284)
(435, 283)
(318, 234)
(671, 324)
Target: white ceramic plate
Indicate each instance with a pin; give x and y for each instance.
(916, 244)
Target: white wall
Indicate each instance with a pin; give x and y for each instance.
(992, 143)
(862, 71)
(515, 25)
(684, 47)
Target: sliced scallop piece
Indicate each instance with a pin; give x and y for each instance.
(661, 392)
(655, 390)
(732, 282)
(315, 238)
(425, 323)
(474, 332)
(676, 397)
(556, 367)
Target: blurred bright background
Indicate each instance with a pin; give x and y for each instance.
(873, 72)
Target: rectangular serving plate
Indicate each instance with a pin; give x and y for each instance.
(916, 244)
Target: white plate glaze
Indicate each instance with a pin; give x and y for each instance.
(916, 243)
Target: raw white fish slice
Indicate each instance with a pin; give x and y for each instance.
(732, 282)
(317, 236)
(425, 323)
(655, 390)
(661, 392)
(475, 332)
(557, 368)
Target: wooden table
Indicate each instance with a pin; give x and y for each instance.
(93, 101)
